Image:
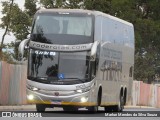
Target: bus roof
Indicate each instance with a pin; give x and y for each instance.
(95, 13)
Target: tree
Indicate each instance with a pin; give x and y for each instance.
(100, 5)
(30, 7)
(19, 22)
(52, 3)
(74, 4)
(147, 41)
(8, 16)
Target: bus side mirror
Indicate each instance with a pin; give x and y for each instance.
(22, 48)
(28, 36)
(94, 50)
(17, 42)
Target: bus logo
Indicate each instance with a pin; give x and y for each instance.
(56, 93)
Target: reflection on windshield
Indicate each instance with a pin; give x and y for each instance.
(37, 59)
(62, 24)
(52, 71)
(74, 65)
(58, 65)
(63, 29)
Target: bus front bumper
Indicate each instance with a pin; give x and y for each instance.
(80, 99)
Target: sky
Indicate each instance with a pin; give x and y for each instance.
(9, 38)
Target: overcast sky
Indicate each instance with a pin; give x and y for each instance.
(9, 38)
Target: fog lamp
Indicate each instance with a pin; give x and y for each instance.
(30, 97)
(84, 99)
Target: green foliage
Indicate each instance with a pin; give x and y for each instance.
(7, 56)
(100, 5)
(62, 3)
(72, 4)
(19, 21)
(30, 7)
(52, 3)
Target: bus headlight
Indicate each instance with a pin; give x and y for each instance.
(30, 97)
(32, 88)
(83, 90)
(35, 89)
(79, 91)
(84, 99)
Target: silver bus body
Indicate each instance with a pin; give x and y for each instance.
(112, 49)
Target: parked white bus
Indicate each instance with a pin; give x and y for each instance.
(79, 58)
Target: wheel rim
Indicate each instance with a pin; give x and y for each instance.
(120, 104)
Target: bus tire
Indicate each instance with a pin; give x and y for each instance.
(40, 108)
(108, 108)
(93, 109)
(120, 106)
(125, 96)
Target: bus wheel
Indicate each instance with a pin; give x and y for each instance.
(40, 108)
(108, 108)
(93, 109)
(70, 109)
(120, 106)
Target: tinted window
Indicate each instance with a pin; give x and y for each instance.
(63, 25)
(63, 29)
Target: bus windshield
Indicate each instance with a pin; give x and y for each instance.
(48, 67)
(57, 29)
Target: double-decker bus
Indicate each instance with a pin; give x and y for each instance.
(79, 58)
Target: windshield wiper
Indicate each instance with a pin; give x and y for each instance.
(82, 80)
(39, 79)
(43, 78)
